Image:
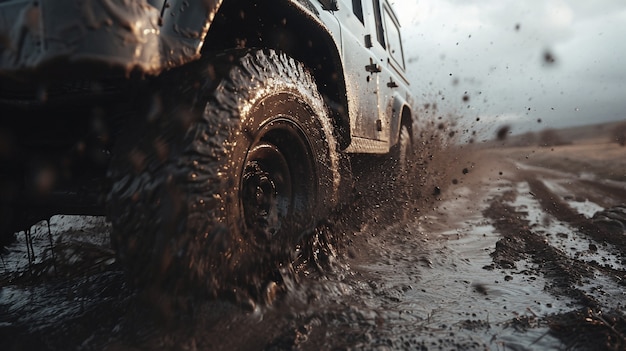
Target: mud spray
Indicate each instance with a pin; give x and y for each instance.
(483, 249)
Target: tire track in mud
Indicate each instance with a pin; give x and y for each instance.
(606, 191)
(593, 325)
(563, 212)
(519, 241)
(599, 231)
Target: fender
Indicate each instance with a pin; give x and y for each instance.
(147, 35)
(400, 110)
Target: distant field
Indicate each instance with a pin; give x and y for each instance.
(588, 134)
(597, 157)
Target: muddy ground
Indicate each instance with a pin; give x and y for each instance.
(498, 248)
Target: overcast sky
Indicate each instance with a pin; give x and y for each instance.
(561, 62)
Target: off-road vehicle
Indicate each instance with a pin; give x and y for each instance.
(194, 125)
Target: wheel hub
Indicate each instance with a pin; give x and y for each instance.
(265, 190)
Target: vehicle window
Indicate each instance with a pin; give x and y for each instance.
(394, 41)
(357, 8)
(380, 32)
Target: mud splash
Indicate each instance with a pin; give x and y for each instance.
(485, 264)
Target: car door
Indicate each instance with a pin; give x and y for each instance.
(378, 49)
(393, 83)
(362, 68)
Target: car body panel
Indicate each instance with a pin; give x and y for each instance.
(150, 36)
(129, 34)
(73, 73)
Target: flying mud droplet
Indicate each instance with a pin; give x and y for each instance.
(466, 97)
(437, 191)
(518, 27)
(503, 132)
(480, 288)
(465, 171)
(548, 58)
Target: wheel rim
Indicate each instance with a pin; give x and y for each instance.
(277, 182)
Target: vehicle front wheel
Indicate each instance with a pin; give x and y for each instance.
(215, 193)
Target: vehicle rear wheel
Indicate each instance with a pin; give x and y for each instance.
(214, 195)
(402, 158)
(405, 150)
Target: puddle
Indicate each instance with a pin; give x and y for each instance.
(495, 296)
(64, 229)
(562, 236)
(606, 291)
(584, 207)
(448, 291)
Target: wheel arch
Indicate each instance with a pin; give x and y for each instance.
(292, 27)
(402, 115)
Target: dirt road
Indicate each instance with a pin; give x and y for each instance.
(516, 248)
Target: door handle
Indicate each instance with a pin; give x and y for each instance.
(372, 67)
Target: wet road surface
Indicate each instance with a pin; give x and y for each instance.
(508, 256)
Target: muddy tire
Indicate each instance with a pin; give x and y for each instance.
(403, 164)
(404, 152)
(218, 185)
